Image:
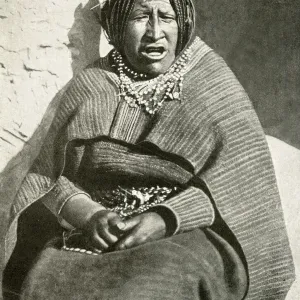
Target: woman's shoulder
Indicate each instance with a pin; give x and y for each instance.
(94, 82)
(208, 66)
(212, 84)
(102, 65)
(97, 78)
(99, 70)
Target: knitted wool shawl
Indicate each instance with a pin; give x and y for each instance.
(214, 130)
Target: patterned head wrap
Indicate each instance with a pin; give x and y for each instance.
(115, 15)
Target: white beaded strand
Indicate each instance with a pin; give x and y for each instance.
(79, 250)
(157, 90)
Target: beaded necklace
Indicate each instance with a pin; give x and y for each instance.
(151, 93)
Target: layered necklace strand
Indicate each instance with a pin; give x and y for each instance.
(154, 91)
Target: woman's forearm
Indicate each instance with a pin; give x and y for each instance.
(70, 203)
(79, 209)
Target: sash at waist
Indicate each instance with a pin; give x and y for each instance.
(131, 201)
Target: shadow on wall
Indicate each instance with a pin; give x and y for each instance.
(260, 41)
(221, 23)
(84, 36)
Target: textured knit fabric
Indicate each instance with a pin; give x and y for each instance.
(213, 133)
(63, 190)
(97, 165)
(189, 266)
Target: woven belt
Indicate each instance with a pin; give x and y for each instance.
(131, 201)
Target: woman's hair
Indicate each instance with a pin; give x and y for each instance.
(115, 14)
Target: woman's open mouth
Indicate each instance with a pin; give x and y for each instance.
(154, 53)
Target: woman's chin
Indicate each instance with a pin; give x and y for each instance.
(155, 69)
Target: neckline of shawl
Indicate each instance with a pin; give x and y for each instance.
(198, 50)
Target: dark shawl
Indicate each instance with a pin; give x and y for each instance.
(214, 130)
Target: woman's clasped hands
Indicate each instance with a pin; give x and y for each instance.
(106, 231)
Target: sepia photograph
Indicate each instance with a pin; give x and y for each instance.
(149, 150)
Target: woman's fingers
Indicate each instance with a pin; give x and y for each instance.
(98, 243)
(121, 226)
(130, 240)
(129, 224)
(141, 229)
(113, 228)
(106, 231)
(136, 234)
(116, 224)
(107, 236)
(99, 229)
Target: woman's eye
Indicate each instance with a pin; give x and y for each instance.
(167, 18)
(141, 17)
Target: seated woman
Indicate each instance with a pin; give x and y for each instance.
(158, 167)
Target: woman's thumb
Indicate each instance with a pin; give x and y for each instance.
(128, 224)
(121, 226)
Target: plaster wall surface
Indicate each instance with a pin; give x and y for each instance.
(43, 43)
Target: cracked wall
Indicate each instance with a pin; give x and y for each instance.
(43, 43)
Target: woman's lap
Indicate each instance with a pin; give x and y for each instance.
(194, 265)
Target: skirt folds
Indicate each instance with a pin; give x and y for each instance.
(190, 266)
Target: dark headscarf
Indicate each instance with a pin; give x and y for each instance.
(115, 15)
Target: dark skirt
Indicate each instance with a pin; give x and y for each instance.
(194, 265)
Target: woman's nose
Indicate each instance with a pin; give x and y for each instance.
(154, 30)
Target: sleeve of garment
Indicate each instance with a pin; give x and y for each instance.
(189, 209)
(62, 191)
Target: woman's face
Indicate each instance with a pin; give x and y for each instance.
(151, 36)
